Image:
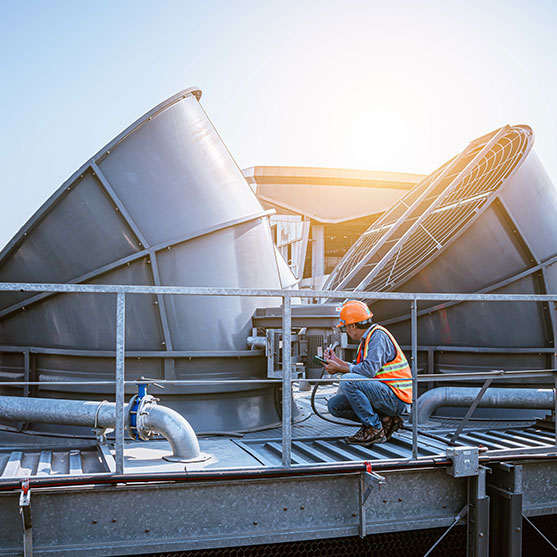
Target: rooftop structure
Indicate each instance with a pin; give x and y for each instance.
(326, 209)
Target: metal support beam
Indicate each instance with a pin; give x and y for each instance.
(26, 370)
(504, 487)
(119, 206)
(539, 532)
(555, 407)
(470, 410)
(167, 339)
(430, 367)
(477, 526)
(317, 250)
(120, 355)
(414, 312)
(553, 310)
(286, 381)
(456, 520)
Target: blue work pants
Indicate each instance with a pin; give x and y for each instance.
(364, 401)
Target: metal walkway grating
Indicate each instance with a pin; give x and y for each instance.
(432, 443)
(323, 450)
(27, 462)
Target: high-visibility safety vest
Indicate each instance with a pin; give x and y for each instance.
(397, 368)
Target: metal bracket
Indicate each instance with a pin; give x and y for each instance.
(371, 480)
(465, 461)
(368, 480)
(273, 351)
(25, 511)
(477, 524)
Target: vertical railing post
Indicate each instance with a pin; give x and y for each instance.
(555, 406)
(553, 310)
(286, 381)
(415, 378)
(120, 349)
(26, 371)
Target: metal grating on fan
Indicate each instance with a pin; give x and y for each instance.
(427, 218)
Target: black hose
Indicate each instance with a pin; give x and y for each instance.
(314, 408)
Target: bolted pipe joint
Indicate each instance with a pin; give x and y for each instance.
(151, 419)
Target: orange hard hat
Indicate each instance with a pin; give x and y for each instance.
(354, 311)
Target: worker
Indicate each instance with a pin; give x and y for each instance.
(376, 404)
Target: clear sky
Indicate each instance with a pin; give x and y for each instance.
(381, 85)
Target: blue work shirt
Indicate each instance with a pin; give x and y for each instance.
(380, 351)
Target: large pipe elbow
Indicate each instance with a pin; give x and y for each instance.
(151, 418)
(174, 428)
(434, 399)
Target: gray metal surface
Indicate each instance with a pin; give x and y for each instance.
(483, 222)
(163, 204)
(130, 520)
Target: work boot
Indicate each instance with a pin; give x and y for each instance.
(391, 424)
(367, 435)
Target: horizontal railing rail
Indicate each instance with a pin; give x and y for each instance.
(286, 296)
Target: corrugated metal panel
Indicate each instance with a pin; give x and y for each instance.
(320, 450)
(27, 462)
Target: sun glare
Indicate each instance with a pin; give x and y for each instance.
(373, 125)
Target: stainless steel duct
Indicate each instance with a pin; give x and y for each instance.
(102, 415)
(463, 397)
(164, 203)
(484, 222)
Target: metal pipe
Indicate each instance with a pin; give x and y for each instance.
(430, 401)
(174, 427)
(152, 418)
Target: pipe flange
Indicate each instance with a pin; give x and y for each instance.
(202, 457)
(143, 409)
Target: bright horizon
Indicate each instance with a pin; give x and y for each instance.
(368, 85)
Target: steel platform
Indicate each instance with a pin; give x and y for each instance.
(242, 496)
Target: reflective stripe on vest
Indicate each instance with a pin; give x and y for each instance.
(396, 373)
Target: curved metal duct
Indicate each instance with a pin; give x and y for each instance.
(464, 397)
(164, 203)
(484, 222)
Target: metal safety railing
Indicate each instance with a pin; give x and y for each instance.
(286, 296)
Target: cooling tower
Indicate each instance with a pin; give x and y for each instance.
(163, 204)
(485, 222)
